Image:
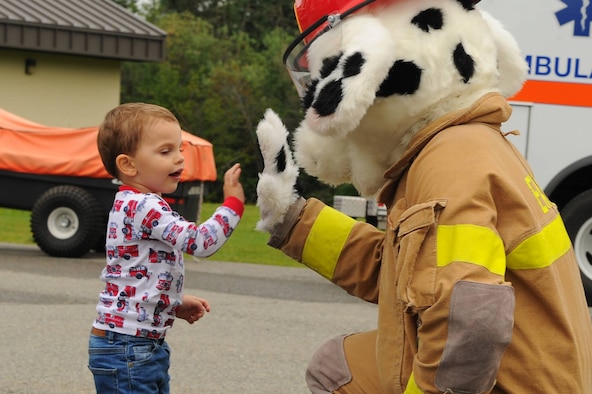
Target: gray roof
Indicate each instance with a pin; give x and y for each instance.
(97, 28)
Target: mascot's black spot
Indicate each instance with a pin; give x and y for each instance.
(329, 98)
(309, 95)
(280, 160)
(329, 65)
(353, 65)
(298, 187)
(431, 18)
(467, 4)
(464, 63)
(403, 78)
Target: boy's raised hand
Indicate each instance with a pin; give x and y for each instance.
(232, 186)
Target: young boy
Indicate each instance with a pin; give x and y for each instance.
(140, 144)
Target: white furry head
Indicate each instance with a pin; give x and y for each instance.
(388, 70)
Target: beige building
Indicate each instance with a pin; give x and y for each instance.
(60, 60)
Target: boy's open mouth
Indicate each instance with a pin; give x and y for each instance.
(176, 174)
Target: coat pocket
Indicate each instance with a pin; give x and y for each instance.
(416, 260)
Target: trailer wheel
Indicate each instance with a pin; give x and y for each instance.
(99, 246)
(577, 215)
(65, 221)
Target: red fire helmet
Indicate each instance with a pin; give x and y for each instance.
(310, 11)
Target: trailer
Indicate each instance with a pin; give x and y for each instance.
(553, 111)
(57, 174)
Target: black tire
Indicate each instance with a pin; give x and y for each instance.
(99, 246)
(577, 216)
(65, 221)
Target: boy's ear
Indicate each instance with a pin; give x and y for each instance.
(125, 165)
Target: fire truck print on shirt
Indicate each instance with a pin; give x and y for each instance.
(144, 273)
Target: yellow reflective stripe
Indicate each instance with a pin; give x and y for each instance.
(326, 240)
(471, 244)
(541, 249)
(412, 386)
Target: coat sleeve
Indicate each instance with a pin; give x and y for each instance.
(339, 248)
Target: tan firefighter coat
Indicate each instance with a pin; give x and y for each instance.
(476, 282)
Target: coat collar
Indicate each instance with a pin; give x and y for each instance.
(491, 108)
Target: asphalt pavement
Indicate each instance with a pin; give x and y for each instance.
(265, 324)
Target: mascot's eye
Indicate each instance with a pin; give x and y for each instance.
(353, 65)
(468, 4)
(329, 65)
(464, 63)
(403, 78)
(329, 98)
(431, 18)
(308, 98)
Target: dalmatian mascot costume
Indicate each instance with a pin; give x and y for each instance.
(476, 283)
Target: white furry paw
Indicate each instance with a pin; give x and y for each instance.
(276, 187)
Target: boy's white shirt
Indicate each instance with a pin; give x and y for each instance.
(145, 271)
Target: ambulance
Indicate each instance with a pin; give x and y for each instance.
(553, 111)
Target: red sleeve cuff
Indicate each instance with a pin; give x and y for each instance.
(235, 204)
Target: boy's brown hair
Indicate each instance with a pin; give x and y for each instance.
(122, 128)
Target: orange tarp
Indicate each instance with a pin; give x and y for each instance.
(32, 148)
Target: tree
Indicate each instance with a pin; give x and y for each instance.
(219, 86)
(253, 17)
(129, 4)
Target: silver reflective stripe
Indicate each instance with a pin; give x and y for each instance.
(481, 319)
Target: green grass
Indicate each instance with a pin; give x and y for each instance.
(14, 226)
(246, 245)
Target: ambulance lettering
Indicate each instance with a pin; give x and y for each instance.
(563, 68)
(559, 68)
(579, 14)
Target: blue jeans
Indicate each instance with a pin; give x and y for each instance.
(123, 364)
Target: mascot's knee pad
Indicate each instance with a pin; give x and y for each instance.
(328, 369)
